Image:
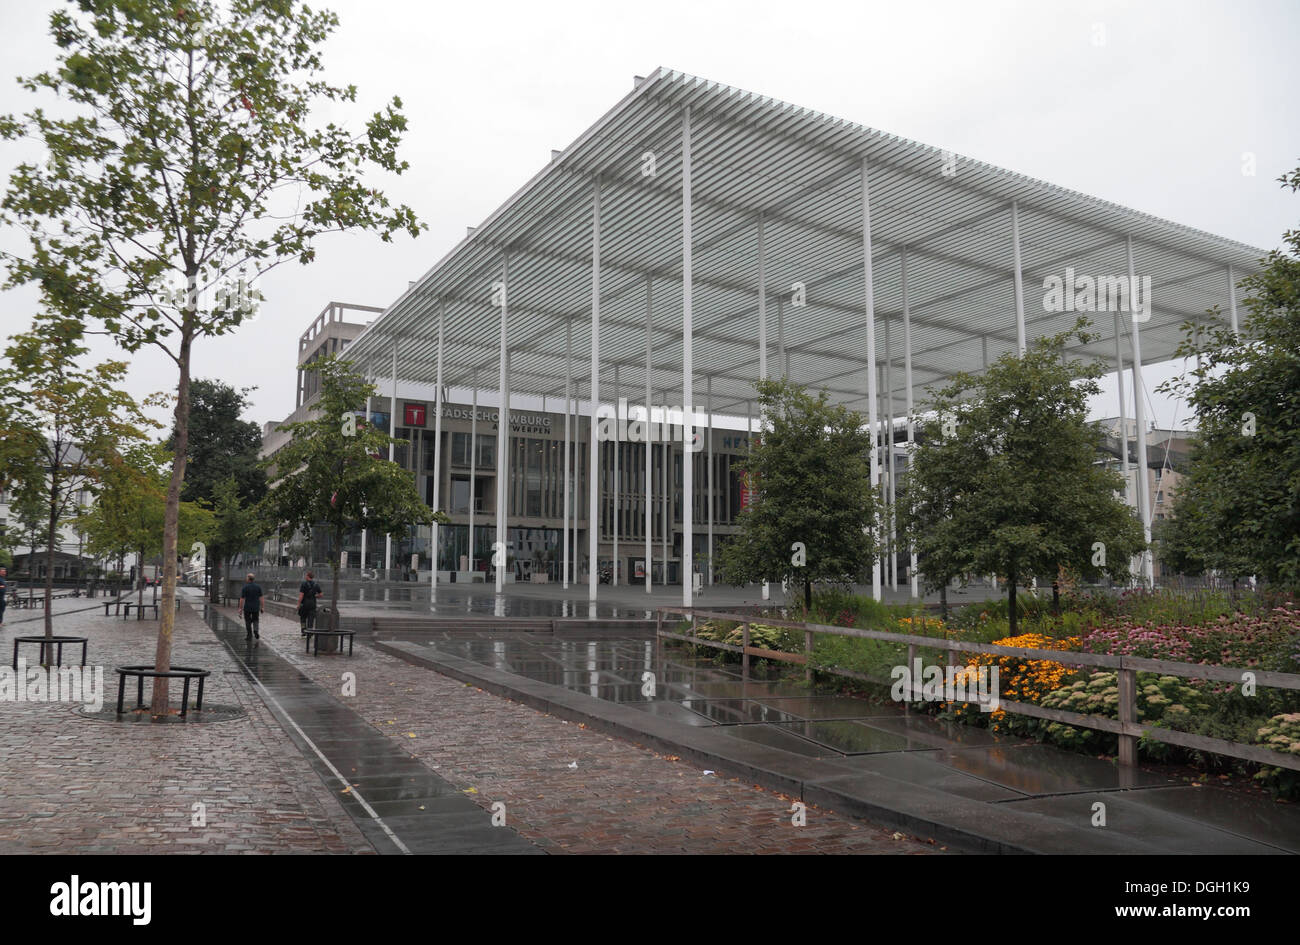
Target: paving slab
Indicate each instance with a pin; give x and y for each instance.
(1127, 816)
(345, 751)
(963, 785)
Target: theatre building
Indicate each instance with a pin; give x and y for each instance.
(466, 480)
(698, 239)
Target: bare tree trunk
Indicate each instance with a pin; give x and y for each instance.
(171, 519)
(334, 600)
(52, 526)
(943, 601)
(1011, 603)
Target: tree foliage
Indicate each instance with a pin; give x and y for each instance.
(237, 525)
(1237, 510)
(221, 444)
(1006, 477)
(331, 472)
(60, 427)
(187, 169)
(813, 515)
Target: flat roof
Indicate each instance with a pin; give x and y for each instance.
(800, 169)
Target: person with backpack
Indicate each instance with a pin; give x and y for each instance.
(254, 604)
(308, 591)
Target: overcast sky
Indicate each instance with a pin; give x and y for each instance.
(1151, 105)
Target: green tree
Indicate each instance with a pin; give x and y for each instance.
(113, 525)
(927, 504)
(1007, 480)
(221, 444)
(331, 472)
(132, 508)
(28, 510)
(236, 526)
(61, 425)
(1238, 508)
(814, 515)
(188, 170)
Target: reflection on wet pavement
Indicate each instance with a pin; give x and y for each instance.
(777, 712)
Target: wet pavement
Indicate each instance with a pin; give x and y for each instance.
(407, 598)
(996, 790)
(399, 805)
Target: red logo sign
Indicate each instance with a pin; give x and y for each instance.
(414, 415)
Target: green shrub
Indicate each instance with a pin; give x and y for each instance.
(1282, 733)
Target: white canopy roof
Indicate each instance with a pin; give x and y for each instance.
(800, 170)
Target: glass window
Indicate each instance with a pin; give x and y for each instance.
(460, 449)
(487, 450)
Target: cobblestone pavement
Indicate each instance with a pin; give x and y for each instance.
(69, 784)
(567, 788)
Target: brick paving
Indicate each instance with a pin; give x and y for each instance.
(74, 785)
(567, 788)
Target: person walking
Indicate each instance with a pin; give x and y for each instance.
(4, 589)
(254, 603)
(308, 591)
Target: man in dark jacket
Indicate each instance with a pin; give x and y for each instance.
(308, 591)
(254, 604)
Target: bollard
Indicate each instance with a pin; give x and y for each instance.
(1128, 713)
(744, 641)
(911, 662)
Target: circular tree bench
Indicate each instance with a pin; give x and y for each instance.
(313, 637)
(176, 672)
(54, 641)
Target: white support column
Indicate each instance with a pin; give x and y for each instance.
(1020, 289)
(782, 358)
(1123, 424)
(666, 442)
(617, 491)
(762, 374)
(369, 379)
(762, 304)
(593, 453)
(502, 551)
(392, 432)
(688, 393)
(889, 460)
(1232, 300)
(649, 442)
(712, 495)
(1130, 482)
(568, 384)
(473, 468)
(872, 417)
(1139, 418)
(437, 448)
(911, 424)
